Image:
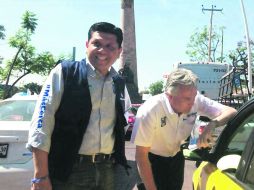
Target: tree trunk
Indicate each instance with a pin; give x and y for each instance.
(9, 74)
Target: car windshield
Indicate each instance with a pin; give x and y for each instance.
(17, 110)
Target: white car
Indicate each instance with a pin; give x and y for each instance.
(16, 166)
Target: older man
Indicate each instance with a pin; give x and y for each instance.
(164, 121)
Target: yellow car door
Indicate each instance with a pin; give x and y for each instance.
(229, 165)
(220, 180)
(209, 177)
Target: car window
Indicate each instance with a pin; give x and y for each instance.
(250, 173)
(230, 151)
(237, 145)
(17, 110)
(245, 170)
(241, 135)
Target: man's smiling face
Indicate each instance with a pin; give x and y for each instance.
(103, 51)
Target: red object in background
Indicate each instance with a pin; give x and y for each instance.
(131, 119)
(201, 129)
(14, 118)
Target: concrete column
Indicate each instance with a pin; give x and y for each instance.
(128, 59)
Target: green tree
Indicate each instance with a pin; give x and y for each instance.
(2, 30)
(197, 48)
(156, 88)
(29, 22)
(2, 37)
(239, 56)
(21, 42)
(26, 60)
(33, 87)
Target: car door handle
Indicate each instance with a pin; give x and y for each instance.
(7, 139)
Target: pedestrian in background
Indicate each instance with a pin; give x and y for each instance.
(164, 122)
(77, 130)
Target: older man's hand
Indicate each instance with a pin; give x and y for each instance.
(206, 139)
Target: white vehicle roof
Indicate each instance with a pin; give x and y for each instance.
(202, 62)
(18, 97)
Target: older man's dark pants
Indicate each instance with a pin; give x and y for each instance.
(87, 175)
(168, 172)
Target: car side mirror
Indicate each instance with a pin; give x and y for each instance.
(229, 162)
(197, 154)
(191, 155)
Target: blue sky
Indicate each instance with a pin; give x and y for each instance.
(163, 27)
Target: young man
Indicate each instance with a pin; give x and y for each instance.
(77, 131)
(164, 121)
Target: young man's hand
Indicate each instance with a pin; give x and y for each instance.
(43, 185)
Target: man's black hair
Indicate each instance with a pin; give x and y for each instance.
(107, 28)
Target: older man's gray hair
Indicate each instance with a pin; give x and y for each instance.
(180, 77)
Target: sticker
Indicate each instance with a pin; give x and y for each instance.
(163, 121)
(3, 150)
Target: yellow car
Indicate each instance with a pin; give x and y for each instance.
(229, 165)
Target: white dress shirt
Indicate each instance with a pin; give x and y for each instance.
(99, 134)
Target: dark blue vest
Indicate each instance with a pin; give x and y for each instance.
(72, 117)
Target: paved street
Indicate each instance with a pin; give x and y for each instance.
(126, 182)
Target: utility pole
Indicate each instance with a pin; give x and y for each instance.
(211, 26)
(73, 53)
(222, 44)
(248, 48)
